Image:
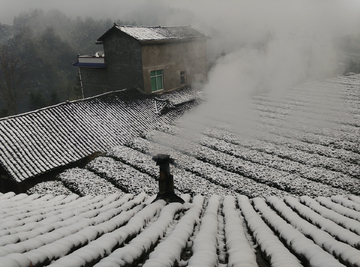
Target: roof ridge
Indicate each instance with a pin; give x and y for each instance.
(149, 26)
(61, 103)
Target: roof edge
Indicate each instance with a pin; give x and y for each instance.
(118, 27)
(63, 103)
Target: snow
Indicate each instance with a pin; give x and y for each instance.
(10, 262)
(324, 224)
(160, 33)
(346, 202)
(208, 231)
(55, 188)
(269, 244)
(236, 240)
(207, 171)
(321, 238)
(86, 183)
(341, 220)
(106, 242)
(62, 237)
(170, 249)
(62, 137)
(205, 243)
(148, 237)
(339, 208)
(299, 243)
(281, 158)
(130, 179)
(305, 173)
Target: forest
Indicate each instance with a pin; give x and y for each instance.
(36, 56)
(37, 52)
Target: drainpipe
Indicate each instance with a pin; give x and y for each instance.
(166, 180)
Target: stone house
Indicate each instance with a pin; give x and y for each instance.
(151, 59)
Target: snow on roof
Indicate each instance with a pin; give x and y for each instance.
(289, 199)
(39, 141)
(143, 33)
(128, 229)
(281, 159)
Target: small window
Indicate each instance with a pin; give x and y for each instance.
(183, 77)
(156, 80)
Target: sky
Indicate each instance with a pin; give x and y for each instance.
(227, 10)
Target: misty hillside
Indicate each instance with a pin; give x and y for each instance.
(47, 44)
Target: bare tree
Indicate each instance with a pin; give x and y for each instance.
(12, 76)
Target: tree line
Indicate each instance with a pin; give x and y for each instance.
(36, 56)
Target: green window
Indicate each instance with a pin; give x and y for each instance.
(156, 80)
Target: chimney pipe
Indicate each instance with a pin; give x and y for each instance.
(166, 180)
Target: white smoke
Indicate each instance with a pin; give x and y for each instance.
(268, 46)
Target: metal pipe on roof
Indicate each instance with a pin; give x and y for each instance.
(166, 180)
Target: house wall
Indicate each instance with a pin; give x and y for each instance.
(123, 66)
(129, 63)
(172, 58)
(94, 81)
(123, 61)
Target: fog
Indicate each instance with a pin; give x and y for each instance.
(255, 46)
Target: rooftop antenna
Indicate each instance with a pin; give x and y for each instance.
(166, 180)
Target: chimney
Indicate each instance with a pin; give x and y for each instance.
(166, 180)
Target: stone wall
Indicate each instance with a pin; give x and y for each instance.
(123, 61)
(129, 63)
(94, 81)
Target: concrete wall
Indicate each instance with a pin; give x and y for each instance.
(172, 58)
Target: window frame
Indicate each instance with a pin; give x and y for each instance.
(154, 74)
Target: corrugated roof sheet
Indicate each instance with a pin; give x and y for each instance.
(39, 141)
(129, 230)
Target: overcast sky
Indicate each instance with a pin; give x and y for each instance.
(344, 11)
(98, 9)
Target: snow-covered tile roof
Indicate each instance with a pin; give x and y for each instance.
(39, 141)
(129, 230)
(318, 155)
(289, 197)
(159, 33)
